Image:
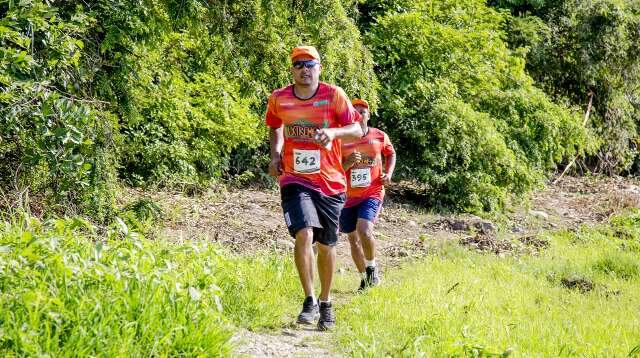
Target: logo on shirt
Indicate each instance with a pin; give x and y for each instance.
(367, 161)
(303, 130)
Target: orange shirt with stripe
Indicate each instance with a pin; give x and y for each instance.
(364, 178)
(304, 161)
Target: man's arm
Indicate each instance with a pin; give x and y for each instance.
(351, 160)
(326, 135)
(390, 161)
(276, 141)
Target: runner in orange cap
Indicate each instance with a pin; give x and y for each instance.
(307, 121)
(366, 180)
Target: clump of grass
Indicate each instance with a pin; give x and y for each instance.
(462, 303)
(623, 265)
(260, 291)
(66, 292)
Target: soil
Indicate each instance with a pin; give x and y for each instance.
(250, 220)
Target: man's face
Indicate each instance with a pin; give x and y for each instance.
(305, 70)
(364, 112)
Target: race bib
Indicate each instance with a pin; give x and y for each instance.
(360, 178)
(306, 161)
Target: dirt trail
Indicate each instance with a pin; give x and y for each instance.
(250, 220)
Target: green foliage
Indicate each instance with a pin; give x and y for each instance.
(260, 35)
(163, 93)
(173, 93)
(53, 141)
(192, 79)
(464, 115)
(181, 115)
(590, 47)
(520, 6)
(193, 97)
(65, 291)
(65, 295)
(142, 215)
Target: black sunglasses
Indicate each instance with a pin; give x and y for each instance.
(308, 64)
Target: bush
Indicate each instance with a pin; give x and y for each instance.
(162, 93)
(588, 47)
(67, 291)
(465, 117)
(56, 141)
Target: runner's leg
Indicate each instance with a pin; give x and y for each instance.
(357, 254)
(364, 230)
(304, 259)
(326, 267)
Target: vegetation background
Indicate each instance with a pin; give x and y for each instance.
(483, 100)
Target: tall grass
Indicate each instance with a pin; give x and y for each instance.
(579, 297)
(66, 292)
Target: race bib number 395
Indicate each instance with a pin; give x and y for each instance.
(360, 178)
(306, 161)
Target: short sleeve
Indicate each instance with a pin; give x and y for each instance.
(271, 118)
(387, 147)
(345, 113)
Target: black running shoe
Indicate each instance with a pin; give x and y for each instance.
(372, 277)
(362, 285)
(310, 312)
(327, 319)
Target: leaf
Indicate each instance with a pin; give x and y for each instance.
(218, 303)
(194, 293)
(124, 229)
(26, 237)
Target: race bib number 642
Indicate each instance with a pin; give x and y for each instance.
(306, 161)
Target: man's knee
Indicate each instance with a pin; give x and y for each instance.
(365, 229)
(354, 240)
(304, 236)
(324, 249)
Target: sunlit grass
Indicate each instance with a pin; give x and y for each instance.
(460, 302)
(65, 292)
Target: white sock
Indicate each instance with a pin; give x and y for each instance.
(327, 301)
(370, 263)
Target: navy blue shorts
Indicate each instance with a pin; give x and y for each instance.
(304, 207)
(368, 209)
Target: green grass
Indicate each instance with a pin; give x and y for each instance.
(68, 288)
(66, 292)
(464, 303)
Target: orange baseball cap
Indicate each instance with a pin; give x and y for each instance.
(305, 51)
(360, 102)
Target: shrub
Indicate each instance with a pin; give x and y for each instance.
(56, 141)
(465, 117)
(587, 47)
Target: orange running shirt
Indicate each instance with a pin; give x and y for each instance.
(363, 178)
(303, 161)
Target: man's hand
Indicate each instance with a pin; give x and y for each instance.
(324, 136)
(352, 159)
(386, 179)
(275, 167)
